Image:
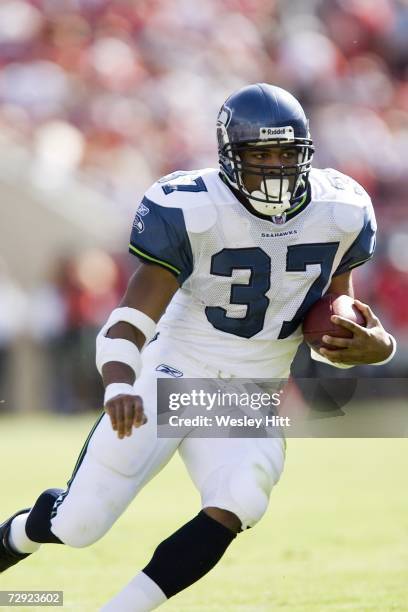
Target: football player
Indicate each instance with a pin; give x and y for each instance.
(232, 258)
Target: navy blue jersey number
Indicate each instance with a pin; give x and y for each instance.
(196, 185)
(298, 257)
(252, 294)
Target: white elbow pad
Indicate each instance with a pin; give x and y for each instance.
(120, 349)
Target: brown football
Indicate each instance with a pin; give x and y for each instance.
(317, 321)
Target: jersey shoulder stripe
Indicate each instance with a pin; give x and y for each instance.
(151, 259)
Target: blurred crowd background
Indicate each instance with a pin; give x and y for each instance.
(99, 98)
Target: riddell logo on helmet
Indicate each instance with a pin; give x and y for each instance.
(277, 133)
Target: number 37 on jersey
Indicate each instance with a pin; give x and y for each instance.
(240, 273)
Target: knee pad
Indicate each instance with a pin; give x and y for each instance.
(38, 525)
(249, 492)
(243, 489)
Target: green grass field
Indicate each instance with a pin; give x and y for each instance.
(335, 537)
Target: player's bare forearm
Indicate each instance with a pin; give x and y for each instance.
(150, 289)
(342, 284)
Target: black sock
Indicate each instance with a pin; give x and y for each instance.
(38, 525)
(188, 554)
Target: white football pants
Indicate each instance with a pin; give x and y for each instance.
(235, 474)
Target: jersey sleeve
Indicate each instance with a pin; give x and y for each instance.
(362, 249)
(159, 236)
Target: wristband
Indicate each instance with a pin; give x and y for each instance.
(115, 389)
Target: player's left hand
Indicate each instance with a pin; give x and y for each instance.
(370, 344)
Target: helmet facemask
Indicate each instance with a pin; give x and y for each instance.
(281, 186)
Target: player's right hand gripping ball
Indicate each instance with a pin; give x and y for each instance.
(317, 321)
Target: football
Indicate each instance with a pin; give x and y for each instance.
(317, 321)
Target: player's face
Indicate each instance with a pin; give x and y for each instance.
(273, 157)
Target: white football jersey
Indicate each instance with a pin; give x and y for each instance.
(246, 282)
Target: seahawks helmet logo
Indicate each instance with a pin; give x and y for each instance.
(224, 116)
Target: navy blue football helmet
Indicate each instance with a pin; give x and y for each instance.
(263, 115)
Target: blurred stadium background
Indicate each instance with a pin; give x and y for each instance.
(98, 98)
